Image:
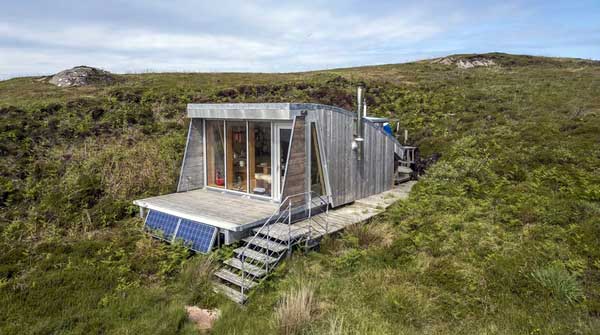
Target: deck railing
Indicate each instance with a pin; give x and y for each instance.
(292, 209)
(409, 156)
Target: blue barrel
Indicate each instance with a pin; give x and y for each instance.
(387, 128)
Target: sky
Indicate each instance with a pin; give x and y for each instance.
(44, 37)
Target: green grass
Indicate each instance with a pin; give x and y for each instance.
(500, 237)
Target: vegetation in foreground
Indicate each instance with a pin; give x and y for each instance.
(500, 237)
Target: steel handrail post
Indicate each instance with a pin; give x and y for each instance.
(289, 227)
(243, 273)
(311, 221)
(326, 218)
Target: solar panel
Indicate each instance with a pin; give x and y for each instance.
(195, 235)
(162, 223)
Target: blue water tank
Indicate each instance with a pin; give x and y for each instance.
(387, 128)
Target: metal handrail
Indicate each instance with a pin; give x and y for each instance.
(270, 221)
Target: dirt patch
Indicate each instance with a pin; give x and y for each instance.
(203, 318)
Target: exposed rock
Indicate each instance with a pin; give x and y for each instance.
(203, 318)
(466, 62)
(82, 76)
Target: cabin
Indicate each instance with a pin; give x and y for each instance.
(244, 163)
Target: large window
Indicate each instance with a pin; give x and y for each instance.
(259, 157)
(215, 154)
(246, 156)
(237, 170)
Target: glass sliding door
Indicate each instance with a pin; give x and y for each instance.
(259, 158)
(237, 169)
(247, 156)
(215, 154)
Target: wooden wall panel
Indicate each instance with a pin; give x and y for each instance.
(295, 176)
(192, 166)
(349, 178)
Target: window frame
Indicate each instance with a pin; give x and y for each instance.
(226, 173)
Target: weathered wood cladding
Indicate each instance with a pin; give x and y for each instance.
(192, 168)
(295, 174)
(349, 178)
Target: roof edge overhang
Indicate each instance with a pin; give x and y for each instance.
(257, 111)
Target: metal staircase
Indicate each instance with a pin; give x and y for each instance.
(300, 221)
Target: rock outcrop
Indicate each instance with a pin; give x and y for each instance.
(465, 62)
(82, 76)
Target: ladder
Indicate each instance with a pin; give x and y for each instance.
(300, 221)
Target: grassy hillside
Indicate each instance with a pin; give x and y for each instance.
(502, 236)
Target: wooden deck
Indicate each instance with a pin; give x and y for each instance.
(339, 218)
(220, 209)
(368, 207)
(263, 251)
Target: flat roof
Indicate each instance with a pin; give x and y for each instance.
(256, 111)
(216, 208)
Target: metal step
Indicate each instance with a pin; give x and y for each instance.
(284, 232)
(229, 292)
(259, 256)
(235, 278)
(265, 244)
(248, 268)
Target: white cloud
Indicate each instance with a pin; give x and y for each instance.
(106, 38)
(288, 39)
(262, 35)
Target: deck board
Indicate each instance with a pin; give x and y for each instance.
(342, 217)
(221, 209)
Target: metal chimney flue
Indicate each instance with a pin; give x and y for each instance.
(360, 109)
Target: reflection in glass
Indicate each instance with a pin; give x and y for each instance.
(259, 157)
(284, 145)
(236, 156)
(215, 154)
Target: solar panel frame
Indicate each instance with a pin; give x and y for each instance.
(170, 222)
(196, 236)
